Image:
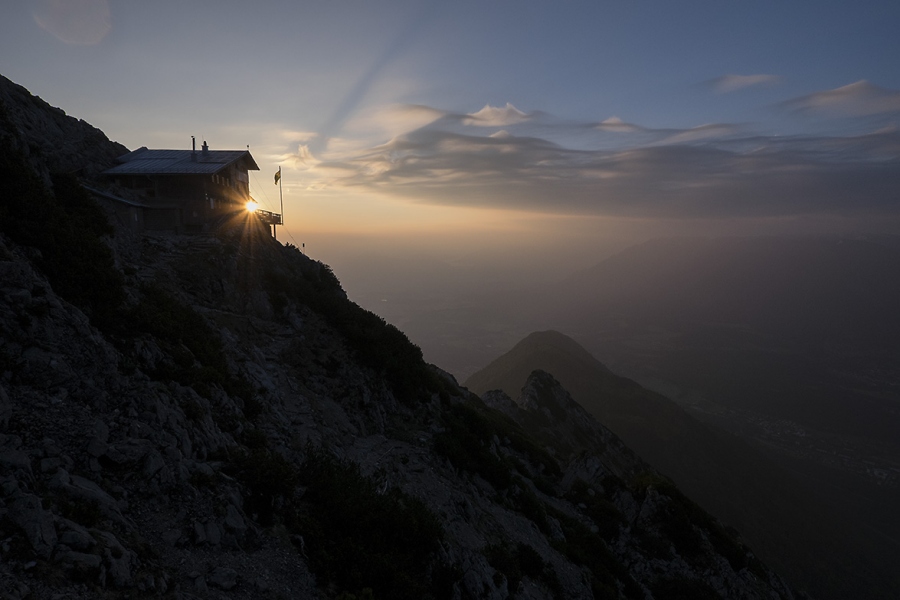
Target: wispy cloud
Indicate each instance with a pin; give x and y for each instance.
(732, 83)
(857, 99)
(393, 119)
(524, 162)
(702, 132)
(78, 22)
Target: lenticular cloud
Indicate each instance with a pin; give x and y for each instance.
(501, 157)
(492, 116)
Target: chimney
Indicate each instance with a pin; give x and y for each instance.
(193, 149)
(204, 147)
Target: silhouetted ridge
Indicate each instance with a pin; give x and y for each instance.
(735, 482)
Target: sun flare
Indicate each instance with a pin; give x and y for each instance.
(251, 206)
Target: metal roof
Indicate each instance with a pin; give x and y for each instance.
(178, 162)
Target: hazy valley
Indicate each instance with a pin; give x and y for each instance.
(787, 343)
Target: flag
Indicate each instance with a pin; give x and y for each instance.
(277, 175)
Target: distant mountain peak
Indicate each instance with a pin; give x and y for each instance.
(547, 369)
(549, 345)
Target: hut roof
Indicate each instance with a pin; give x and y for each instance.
(179, 162)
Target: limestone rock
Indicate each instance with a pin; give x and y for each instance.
(223, 578)
(25, 511)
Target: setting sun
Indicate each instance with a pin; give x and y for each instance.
(251, 206)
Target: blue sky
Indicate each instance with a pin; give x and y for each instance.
(500, 117)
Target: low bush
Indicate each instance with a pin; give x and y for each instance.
(470, 429)
(466, 443)
(196, 350)
(682, 588)
(526, 502)
(514, 563)
(254, 439)
(361, 535)
(270, 480)
(583, 547)
(601, 511)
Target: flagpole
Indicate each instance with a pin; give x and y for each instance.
(280, 196)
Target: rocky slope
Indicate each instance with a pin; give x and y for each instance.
(50, 140)
(210, 416)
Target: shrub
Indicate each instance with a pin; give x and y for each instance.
(466, 443)
(361, 535)
(602, 512)
(196, 350)
(527, 503)
(254, 439)
(516, 562)
(269, 479)
(84, 512)
(682, 588)
(193, 410)
(470, 429)
(162, 315)
(586, 548)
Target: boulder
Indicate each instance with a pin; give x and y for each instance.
(26, 512)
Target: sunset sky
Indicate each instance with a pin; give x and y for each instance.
(498, 125)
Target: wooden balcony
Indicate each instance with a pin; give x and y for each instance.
(269, 218)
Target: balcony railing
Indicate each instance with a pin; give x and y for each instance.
(269, 218)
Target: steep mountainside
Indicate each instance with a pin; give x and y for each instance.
(777, 515)
(50, 140)
(210, 416)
